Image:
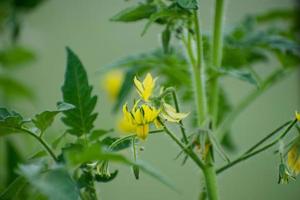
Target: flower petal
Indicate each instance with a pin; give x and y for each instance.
(142, 131)
(139, 86)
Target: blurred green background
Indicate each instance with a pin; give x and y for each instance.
(85, 27)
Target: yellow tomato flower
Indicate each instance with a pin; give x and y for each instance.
(112, 83)
(170, 114)
(293, 160)
(297, 116)
(142, 131)
(140, 118)
(125, 126)
(145, 88)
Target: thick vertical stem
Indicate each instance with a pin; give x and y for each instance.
(217, 47)
(211, 182)
(200, 90)
(199, 75)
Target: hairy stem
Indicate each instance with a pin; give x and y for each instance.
(211, 180)
(217, 47)
(253, 153)
(43, 143)
(198, 72)
(266, 138)
(184, 148)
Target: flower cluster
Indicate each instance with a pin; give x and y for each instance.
(138, 119)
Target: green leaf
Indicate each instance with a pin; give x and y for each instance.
(43, 120)
(98, 133)
(11, 88)
(241, 56)
(15, 56)
(14, 189)
(135, 13)
(278, 14)
(10, 122)
(273, 42)
(123, 143)
(240, 74)
(56, 142)
(188, 4)
(77, 91)
(169, 14)
(125, 89)
(13, 158)
(54, 183)
(77, 154)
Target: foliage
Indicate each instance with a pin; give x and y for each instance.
(76, 91)
(71, 165)
(85, 155)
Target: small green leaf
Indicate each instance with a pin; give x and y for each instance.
(77, 91)
(56, 142)
(240, 74)
(10, 122)
(278, 14)
(54, 183)
(12, 88)
(15, 56)
(43, 120)
(135, 13)
(165, 15)
(188, 4)
(165, 37)
(125, 88)
(123, 143)
(77, 154)
(98, 133)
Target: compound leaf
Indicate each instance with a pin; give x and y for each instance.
(77, 91)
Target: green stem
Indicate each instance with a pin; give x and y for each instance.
(211, 179)
(249, 155)
(120, 140)
(203, 194)
(226, 123)
(266, 138)
(134, 149)
(186, 149)
(180, 122)
(43, 143)
(217, 48)
(199, 75)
